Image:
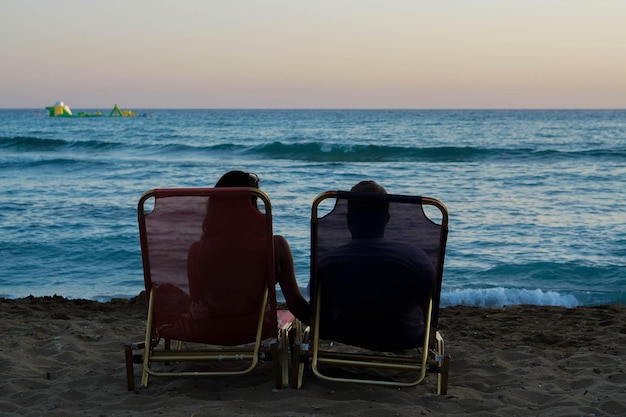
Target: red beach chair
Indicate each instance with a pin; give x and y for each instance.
(208, 261)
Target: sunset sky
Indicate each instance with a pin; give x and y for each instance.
(313, 54)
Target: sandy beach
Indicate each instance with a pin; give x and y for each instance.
(62, 357)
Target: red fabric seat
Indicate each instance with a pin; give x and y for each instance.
(208, 258)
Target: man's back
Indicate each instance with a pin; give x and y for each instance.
(375, 286)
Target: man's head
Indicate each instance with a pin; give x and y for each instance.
(368, 218)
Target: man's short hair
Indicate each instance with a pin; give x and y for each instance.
(367, 218)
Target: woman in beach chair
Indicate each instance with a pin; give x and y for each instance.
(285, 271)
(217, 291)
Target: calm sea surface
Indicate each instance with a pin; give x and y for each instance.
(537, 199)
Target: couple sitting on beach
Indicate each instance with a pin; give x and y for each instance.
(366, 222)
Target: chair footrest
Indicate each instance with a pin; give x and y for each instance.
(182, 356)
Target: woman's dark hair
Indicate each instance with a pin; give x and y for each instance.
(238, 179)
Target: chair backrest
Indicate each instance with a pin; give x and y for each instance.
(208, 254)
(375, 279)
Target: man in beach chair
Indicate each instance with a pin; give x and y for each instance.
(209, 272)
(376, 268)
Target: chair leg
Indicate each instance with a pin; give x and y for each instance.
(443, 363)
(298, 356)
(145, 376)
(296, 382)
(442, 377)
(284, 355)
(129, 347)
(276, 363)
(130, 374)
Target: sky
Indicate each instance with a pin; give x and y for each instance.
(313, 54)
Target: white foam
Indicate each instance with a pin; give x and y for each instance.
(499, 297)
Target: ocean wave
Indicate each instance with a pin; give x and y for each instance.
(30, 144)
(37, 161)
(37, 144)
(500, 297)
(310, 151)
(336, 152)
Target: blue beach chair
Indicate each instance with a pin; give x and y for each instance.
(352, 338)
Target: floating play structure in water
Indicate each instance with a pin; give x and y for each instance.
(61, 109)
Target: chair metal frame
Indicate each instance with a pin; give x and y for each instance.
(274, 348)
(433, 358)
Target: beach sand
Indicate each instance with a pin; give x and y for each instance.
(62, 357)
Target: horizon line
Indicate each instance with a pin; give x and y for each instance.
(337, 108)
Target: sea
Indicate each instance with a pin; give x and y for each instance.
(536, 198)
